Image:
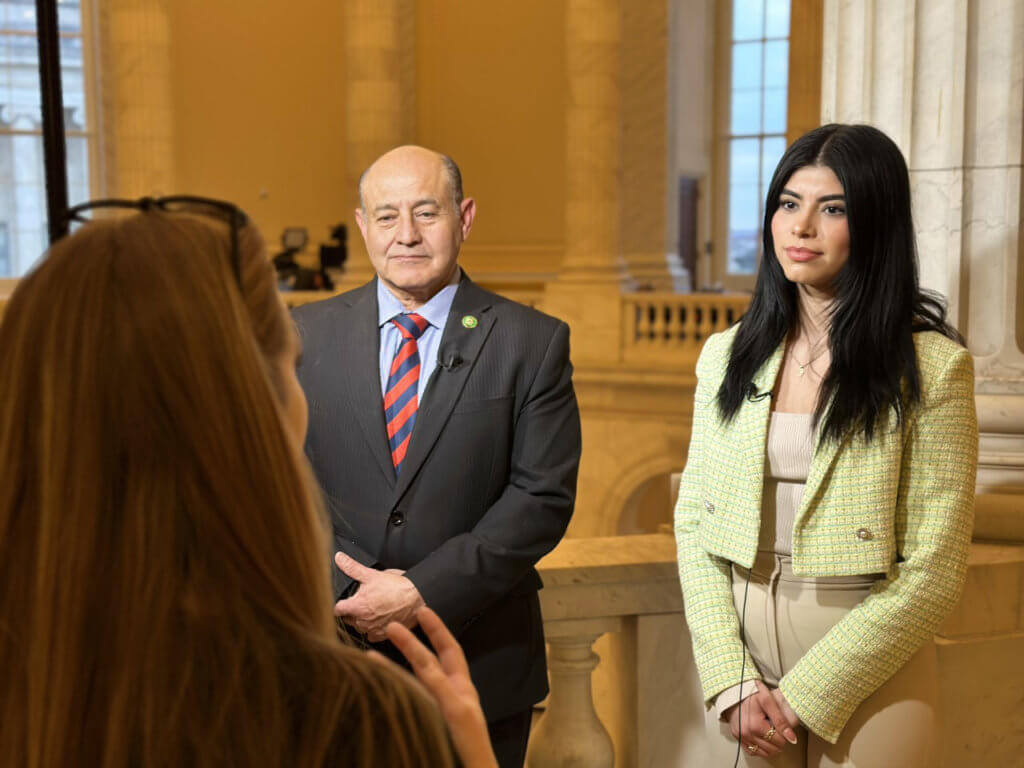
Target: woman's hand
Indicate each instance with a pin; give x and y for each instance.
(446, 676)
(787, 711)
(764, 725)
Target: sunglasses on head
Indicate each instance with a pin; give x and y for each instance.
(220, 210)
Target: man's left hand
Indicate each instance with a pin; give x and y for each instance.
(383, 597)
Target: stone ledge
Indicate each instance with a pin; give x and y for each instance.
(991, 601)
(637, 575)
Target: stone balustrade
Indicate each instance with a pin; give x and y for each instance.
(663, 330)
(625, 589)
(668, 329)
(646, 709)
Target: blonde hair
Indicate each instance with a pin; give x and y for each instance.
(164, 582)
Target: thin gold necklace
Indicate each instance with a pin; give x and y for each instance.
(802, 367)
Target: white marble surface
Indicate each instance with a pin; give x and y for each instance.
(937, 197)
(995, 98)
(991, 243)
(991, 602)
(940, 55)
(981, 689)
(670, 707)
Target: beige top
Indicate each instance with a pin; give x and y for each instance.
(787, 461)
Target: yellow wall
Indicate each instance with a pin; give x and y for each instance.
(491, 93)
(258, 108)
(258, 96)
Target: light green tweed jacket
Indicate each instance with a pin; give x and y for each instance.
(902, 505)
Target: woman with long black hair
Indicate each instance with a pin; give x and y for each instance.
(826, 507)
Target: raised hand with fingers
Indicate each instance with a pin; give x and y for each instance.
(383, 597)
(765, 729)
(445, 674)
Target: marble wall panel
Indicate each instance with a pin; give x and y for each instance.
(940, 55)
(991, 241)
(982, 701)
(995, 71)
(937, 198)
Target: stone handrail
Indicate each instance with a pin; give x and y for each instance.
(627, 585)
(657, 327)
(626, 588)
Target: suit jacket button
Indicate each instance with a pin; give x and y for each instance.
(709, 507)
(397, 519)
(864, 534)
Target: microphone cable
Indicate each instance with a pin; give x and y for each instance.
(743, 669)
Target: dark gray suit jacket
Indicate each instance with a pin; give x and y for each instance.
(487, 486)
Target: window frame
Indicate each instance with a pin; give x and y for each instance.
(92, 132)
(722, 138)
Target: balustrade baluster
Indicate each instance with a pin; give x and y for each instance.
(657, 323)
(570, 735)
(706, 325)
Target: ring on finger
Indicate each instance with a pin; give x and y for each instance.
(769, 733)
(752, 749)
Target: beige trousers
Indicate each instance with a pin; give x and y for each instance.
(785, 615)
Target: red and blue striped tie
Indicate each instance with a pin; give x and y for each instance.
(400, 399)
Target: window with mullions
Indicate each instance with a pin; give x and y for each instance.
(757, 121)
(22, 181)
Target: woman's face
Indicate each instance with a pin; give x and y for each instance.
(296, 415)
(812, 238)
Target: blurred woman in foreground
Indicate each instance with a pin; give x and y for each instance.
(163, 593)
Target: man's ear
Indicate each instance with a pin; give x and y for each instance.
(467, 212)
(361, 221)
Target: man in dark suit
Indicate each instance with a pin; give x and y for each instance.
(445, 433)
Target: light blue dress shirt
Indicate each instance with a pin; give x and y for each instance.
(434, 311)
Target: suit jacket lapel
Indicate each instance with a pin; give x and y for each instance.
(361, 376)
(446, 384)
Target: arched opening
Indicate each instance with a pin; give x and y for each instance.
(648, 507)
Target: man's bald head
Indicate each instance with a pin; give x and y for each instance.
(414, 220)
(398, 157)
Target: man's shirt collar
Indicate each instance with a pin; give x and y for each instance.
(434, 311)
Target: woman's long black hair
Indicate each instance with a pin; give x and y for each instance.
(879, 304)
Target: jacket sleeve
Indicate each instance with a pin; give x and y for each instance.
(470, 571)
(933, 522)
(706, 579)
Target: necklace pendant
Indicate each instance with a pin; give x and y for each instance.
(799, 370)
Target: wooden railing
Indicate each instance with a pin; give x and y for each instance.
(658, 323)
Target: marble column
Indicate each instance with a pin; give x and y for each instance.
(135, 107)
(945, 79)
(645, 58)
(587, 289)
(380, 101)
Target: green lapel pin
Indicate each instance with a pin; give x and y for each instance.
(468, 321)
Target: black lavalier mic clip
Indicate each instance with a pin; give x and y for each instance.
(449, 359)
(754, 396)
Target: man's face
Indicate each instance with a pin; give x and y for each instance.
(411, 226)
